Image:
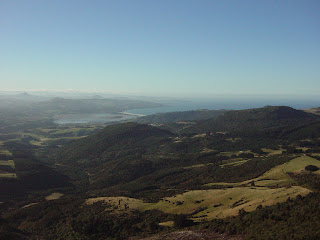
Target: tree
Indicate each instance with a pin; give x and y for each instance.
(311, 168)
(181, 221)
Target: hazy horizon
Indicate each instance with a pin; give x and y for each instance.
(176, 103)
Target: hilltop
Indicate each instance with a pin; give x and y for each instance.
(112, 138)
(270, 121)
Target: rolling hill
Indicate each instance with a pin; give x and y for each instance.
(114, 155)
(268, 121)
(122, 138)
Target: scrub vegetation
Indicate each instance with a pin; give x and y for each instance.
(222, 175)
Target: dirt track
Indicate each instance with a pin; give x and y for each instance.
(193, 235)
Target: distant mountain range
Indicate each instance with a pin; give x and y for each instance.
(28, 103)
(62, 105)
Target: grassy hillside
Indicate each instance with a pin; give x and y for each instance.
(274, 186)
(279, 175)
(294, 219)
(313, 110)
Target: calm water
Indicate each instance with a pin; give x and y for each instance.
(93, 118)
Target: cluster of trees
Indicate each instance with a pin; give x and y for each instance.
(308, 179)
(9, 232)
(294, 219)
(72, 219)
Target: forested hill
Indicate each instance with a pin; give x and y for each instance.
(124, 139)
(270, 119)
(171, 117)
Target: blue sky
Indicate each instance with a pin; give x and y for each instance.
(173, 48)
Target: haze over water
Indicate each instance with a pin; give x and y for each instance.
(186, 105)
(230, 104)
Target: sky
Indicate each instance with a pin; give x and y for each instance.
(161, 48)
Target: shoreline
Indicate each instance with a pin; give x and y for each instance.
(95, 118)
(133, 114)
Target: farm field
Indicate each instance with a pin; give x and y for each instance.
(7, 163)
(271, 152)
(221, 203)
(8, 175)
(5, 152)
(278, 176)
(207, 204)
(272, 187)
(8, 169)
(54, 196)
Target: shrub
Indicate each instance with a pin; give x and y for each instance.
(311, 168)
(181, 221)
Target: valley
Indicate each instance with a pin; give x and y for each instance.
(164, 174)
(160, 120)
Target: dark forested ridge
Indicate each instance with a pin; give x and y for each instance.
(270, 120)
(120, 137)
(116, 154)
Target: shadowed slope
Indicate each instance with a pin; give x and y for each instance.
(127, 137)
